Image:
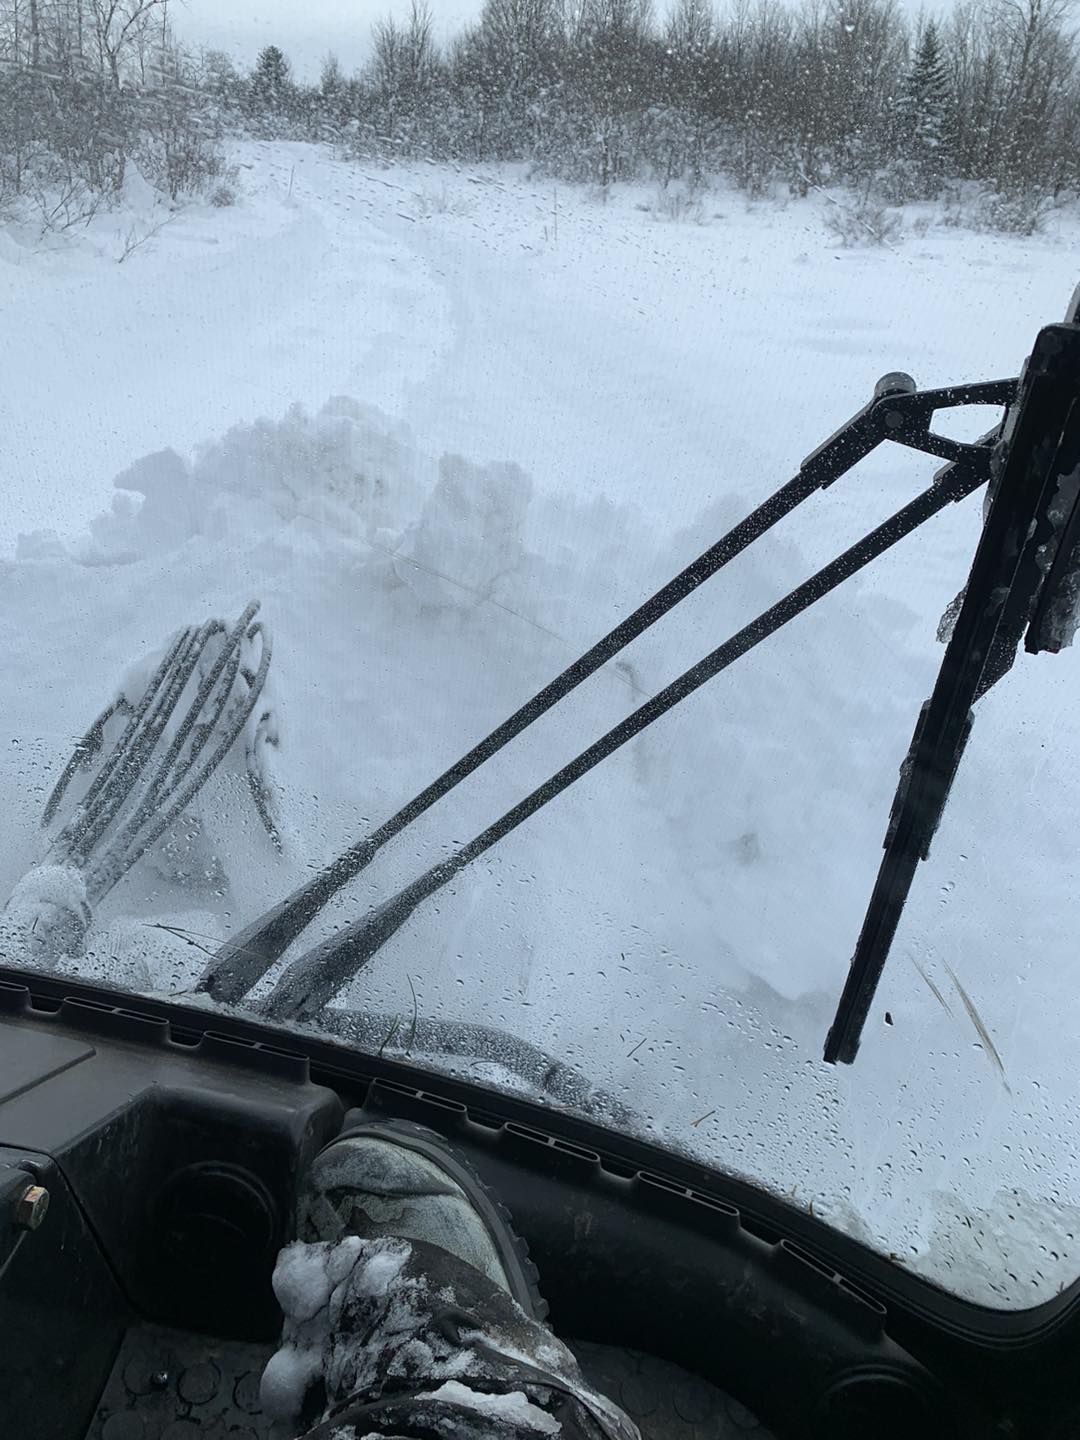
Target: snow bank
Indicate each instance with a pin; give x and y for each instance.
(376, 558)
(468, 534)
(347, 469)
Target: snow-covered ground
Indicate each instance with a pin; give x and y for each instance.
(448, 426)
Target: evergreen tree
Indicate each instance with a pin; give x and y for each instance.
(271, 81)
(926, 115)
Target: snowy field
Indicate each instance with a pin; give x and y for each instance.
(448, 426)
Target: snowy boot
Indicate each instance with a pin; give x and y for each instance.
(411, 1307)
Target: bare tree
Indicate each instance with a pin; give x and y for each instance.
(522, 27)
(691, 27)
(420, 55)
(404, 67)
(119, 26)
(388, 46)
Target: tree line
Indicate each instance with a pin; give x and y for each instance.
(825, 92)
(86, 88)
(822, 93)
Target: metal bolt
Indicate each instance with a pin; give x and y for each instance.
(30, 1207)
(895, 383)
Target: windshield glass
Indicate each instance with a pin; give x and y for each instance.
(448, 338)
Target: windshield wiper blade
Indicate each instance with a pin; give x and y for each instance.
(897, 412)
(1024, 570)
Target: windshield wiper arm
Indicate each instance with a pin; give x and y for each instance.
(1024, 574)
(897, 412)
(312, 980)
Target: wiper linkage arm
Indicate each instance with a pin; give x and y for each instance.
(897, 412)
(313, 979)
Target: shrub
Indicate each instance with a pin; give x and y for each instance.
(862, 222)
(1015, 212)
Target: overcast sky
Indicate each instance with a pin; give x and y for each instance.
(305, 29)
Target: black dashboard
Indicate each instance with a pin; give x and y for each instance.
(170, 1140)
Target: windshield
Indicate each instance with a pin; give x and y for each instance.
(361, 376)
